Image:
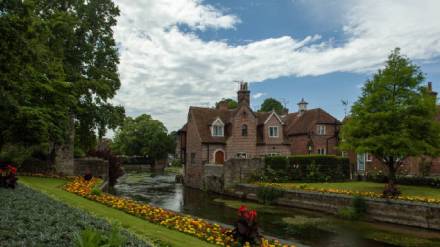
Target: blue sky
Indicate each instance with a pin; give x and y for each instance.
(177, 53)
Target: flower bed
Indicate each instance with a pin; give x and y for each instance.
(31, 218)
(199, 228)
(7, 175)
(349, 192)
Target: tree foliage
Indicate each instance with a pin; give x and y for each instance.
(232, 104)
(271, 104)
(394, 118)
(143, 136)
(58, 66)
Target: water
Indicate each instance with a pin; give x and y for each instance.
(159, 189)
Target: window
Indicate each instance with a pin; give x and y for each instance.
(217, 128)
(244, 130)
(322, 151)
(320, 129)
(368, 157)
(241, 155)
(344, 154)
(273, 154)
(193, 158)
(273, 131)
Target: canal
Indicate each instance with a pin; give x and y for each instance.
(160, 189)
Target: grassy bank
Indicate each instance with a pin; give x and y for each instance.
(134, 224)
(361, 187)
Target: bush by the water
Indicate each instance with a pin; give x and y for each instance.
(310, 168)
(356, 211)
(30, 218)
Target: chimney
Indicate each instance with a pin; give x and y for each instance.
(434, 94)
(222, 105)
(302, 106)
(243, 95)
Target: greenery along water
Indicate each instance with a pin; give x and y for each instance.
(314, 229)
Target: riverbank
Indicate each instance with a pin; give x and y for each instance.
(143, 229)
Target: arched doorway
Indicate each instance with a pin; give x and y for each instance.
(219, 157)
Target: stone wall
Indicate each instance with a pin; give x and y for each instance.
(218, 178)
(391, 211)
(98, 167)
(240, 170)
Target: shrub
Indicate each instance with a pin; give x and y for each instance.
(93, 238)
(246, 227)
(268, 195)
(356, 211)
(407, 180)
(46, 222)
(311, 168)
(96, 192)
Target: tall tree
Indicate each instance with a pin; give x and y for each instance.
(232, 104)
(143, 136)
(394, 118)
(271, 104)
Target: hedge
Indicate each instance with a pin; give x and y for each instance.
(312, 168)
(433, 182)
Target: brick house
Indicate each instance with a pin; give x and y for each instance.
(365, 163)
(214, 135)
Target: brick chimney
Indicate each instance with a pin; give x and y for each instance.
(433, 93)
(243, 95)
(222, 105)
(302, 106)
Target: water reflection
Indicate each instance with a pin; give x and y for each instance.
(161, 190)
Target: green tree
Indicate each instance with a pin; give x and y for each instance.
(58, 68)
(270, 104)
(232, 104)
(394, 118)
(143, 136)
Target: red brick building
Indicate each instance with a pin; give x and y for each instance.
(214, 135)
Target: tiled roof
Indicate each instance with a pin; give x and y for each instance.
(295, 123)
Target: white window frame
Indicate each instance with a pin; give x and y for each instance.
(218, 128)
(241, 155)
(368, 157)
(344, 153)
(273, 154)
(322, 151)
(277, 131)
(321, 129)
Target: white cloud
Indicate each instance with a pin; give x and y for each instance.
(258, 95)
(164, 70)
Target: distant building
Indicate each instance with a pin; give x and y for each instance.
(214, 135)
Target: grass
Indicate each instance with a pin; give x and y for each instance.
(142, 228)
(174, 169)
(407, 190)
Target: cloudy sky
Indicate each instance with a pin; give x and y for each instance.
(178, 53)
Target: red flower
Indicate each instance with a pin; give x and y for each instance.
(242, 210)
(251, 215)
(12, 169)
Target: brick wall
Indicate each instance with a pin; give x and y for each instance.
(263, 150)
(238, 143)
(193, 167)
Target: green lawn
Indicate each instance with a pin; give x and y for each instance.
(142, 228)
(407, 190)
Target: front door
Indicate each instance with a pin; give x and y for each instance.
(361, 163)
(219, 157)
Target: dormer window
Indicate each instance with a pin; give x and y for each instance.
(320, 129)
(273, 131)
(217, 128)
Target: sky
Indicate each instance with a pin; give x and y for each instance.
(180, 53)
